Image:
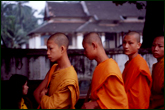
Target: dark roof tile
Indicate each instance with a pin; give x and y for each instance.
(91, 27)
(66, 9)
(105, 11)
(122, 27)
(108, 10)
(57, 27)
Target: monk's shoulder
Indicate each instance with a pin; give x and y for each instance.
(111, 62)
(113, 67)
(161, 62)
(70, 72)
(69, 77)
(140, 62)
(142, 66)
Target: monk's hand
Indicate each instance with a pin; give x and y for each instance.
(90, 105)
(44, 92)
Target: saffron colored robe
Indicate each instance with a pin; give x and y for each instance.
(137, 81)
(63, 91)
(157, 90)
(107, 87)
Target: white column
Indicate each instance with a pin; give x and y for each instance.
(103, 40)
(79, 41)
(31, 43)
(37, 42)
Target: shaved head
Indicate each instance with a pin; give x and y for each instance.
(135, 34)
(158, 47)
(60, 39)
(92, 37)
(160, 37)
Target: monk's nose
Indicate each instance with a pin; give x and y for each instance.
(47, 52)
(156, 48)
(125, 45)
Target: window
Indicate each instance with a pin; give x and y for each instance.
(110, 40)
(44, 40)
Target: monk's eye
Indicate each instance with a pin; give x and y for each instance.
(153, 45)
(130, 42)
(49, 48)
(124, 42)
(161, 46)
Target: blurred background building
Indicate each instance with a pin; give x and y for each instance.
(77, 18)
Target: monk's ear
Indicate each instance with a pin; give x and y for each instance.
(94, 45)
(63, 49)
(139, 45)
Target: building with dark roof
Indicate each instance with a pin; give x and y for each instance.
(77, 18)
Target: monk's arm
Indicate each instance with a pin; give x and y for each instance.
(112, 94)
(58, 100)
(140, 92)
(37, 91)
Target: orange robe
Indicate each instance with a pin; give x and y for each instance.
(107, 87)
(137, 81)
(157, 90)
(63, 91)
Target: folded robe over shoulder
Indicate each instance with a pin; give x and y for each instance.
(63, 91)
(157, 91)
(108, 87)
(137, 80)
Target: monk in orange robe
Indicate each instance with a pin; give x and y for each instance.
(59, 89)
(136, 75)
(107, 87)
(157, 90)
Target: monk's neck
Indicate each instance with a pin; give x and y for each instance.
(132, 56)
(101, 58)
(63, 63)
(159, 59)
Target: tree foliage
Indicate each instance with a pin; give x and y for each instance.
(16, 21)
(139, 5)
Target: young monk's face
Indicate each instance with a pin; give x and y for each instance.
(130, 45)
(158, 47)
(53, 51)
(88, 50)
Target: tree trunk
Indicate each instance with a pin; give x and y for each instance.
(154, 22)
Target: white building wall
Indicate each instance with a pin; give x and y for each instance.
(77, 41)
(35, 42)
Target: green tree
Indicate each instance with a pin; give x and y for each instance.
(16, 21)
